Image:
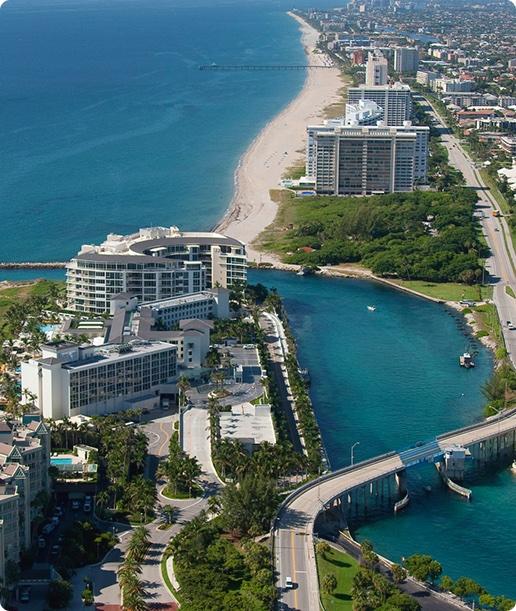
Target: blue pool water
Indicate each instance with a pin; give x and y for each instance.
(61, 461)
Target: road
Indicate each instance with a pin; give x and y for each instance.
(293, 531)
(496, 230)
(197, 443)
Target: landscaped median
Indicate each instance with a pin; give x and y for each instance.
(343, 567)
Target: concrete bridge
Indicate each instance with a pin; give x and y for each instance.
(372, 479)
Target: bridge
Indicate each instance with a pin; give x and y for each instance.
(372, 479)
(252, 68)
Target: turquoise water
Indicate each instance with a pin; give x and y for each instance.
(61, 461)
(388, 379)
(106, 123)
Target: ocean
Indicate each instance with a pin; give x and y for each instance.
(106, 124)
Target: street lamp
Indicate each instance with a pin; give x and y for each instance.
(352, 448)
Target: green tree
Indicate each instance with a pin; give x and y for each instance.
(329, 583)
(322, 548)
(399, 574)
(423, 567)
(59, 594)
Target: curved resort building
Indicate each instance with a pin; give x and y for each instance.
(154, 263)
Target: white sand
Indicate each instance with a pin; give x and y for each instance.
(276, 148)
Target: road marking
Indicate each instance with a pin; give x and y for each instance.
(293, 558)
(166, 438)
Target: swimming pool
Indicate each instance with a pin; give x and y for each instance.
(61, 461)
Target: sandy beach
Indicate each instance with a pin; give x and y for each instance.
(276, 148)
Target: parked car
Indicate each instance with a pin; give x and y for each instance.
(55, 520)
(75, 505)
(55, 550)
(42, 542)
(24, 595)
(48, 528)
(86, 507)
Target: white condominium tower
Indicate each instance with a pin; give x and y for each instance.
(365, 112)
(356, 160)
(376, 69)
(395, 100)
(406, 59)
(154, 263)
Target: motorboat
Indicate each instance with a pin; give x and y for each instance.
(371, 308)
(466, 360)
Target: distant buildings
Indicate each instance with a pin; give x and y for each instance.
(154, 263)
(376, 69)
(425, 77)
(406, 60)
(508, 144)
(354, 160)
(395, 100)
(24, 463)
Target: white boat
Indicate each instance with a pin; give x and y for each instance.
(513, 466)
(466, 360)
(371, 308)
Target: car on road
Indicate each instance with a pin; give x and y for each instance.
(511, 327)
(54, 551)
(25, 595)
(48, 528)
(289, 584)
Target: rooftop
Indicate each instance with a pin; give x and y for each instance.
(248, 421)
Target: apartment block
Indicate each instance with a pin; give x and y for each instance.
(406, 60)
(395, 100)
(356, 160)
(376, 69)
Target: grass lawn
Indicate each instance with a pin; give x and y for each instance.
(19, 293)
(448, 291)
(172, 494)
(510, 291)
(344, 568)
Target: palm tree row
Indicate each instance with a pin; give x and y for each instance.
(132, 589)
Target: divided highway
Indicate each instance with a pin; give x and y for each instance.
(501, 264)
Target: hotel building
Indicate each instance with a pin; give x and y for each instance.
(68, 380)
(153, 264)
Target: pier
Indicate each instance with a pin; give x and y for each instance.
(253, 68)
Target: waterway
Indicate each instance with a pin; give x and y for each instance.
(389, 379)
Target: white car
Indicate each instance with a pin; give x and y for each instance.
(289, 584)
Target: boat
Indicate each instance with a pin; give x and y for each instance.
(466, 360)
(371, 308)
(513, 466)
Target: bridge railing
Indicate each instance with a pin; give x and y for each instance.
(478, 425)
(329, 476)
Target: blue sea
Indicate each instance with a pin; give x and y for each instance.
(106, 124)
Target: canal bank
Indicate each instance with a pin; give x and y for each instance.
(388, 379)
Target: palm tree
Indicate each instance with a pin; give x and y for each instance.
(183, 385)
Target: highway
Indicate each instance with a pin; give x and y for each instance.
(500, 264)
(293, 531)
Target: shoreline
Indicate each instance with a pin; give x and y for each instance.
(279, 145)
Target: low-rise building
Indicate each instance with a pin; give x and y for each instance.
(508, 144)
(248, 424)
